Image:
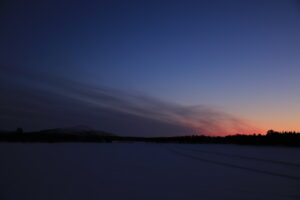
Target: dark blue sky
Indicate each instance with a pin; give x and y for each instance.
(235, 57)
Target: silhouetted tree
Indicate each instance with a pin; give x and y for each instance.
(271, 133)
(19, 131)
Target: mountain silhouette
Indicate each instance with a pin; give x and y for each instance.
(77, 130)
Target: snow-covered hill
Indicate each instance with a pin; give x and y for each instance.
(76, 130)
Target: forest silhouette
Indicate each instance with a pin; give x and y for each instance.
(285, 138)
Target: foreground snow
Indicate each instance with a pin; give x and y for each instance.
(148, 171)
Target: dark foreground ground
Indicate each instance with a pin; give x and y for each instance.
(147, 171)
(272, 138)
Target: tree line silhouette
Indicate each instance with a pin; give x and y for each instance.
(286, 138)
(51, 137)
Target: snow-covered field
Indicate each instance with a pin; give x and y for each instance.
(136, 171)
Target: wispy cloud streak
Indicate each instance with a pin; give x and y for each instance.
(103, 101)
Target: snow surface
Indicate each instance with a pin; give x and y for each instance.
(147, 171)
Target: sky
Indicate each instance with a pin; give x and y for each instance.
(151, 68)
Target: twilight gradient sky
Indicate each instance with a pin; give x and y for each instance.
(149, 68)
